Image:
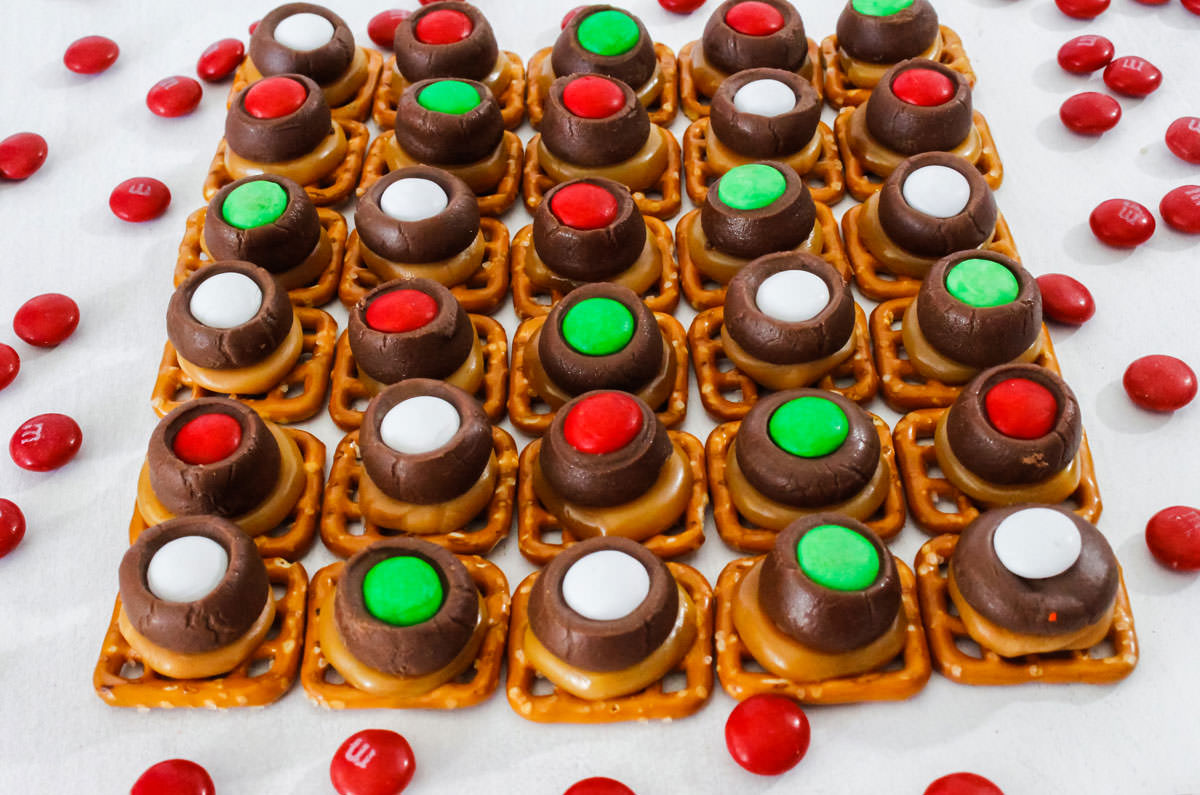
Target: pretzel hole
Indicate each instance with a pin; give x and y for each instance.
(182, 393)
(896, 665)
(293, 390)
(132, 669)
(260, 667)
(467, 676)
(279, 531)
(278, 591)
(333, 677)
(1102, 650)
(968, 646)
(553, 536)
(537, 405)
(674, 682)
(944, 504)
(843, 380)
(541, 686)
(751, 665)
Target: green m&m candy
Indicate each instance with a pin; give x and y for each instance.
(838, 558)
(254, 204)
(982, 283)
(598, 326)
(751, 187)
(880, 8)
(403, 591)
(453, 97)
(608, 33)
(809, 427)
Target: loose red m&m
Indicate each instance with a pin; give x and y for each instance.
(584, 206)
(1090, 113)
(923, 87)
(21, 154)
(274, 97)
(91, 55)
(753, 18)
(382, 27)
(1085, 54)
(139, 199)
(401, 310)
(372, 762)
(207, 439)
(174, 96)
(46, 320)
(567, 17)
(12, 526)
(593, 97)
(962, 784)
(1160, 383)
(443, 26)
(767, 734)
(603, 423)
(1192, 5)
(1021, 408)
(1173, 535)
(1181, 209)
(174, 777)
(1183, 138)
(219, 60)
(681, 6)
(45, 442)
(1132, 76)
(1121, 223)
(598, 785)
(1082, 9)
(1066, 300)
(10, 365)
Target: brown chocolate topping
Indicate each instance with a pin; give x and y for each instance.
(822, 618)
(229, 348)
(594, 142)
(731, 51)
(766, 137)
(447, 138)
(602, 645)
(979, 336)
(926, 235)
(913, 129)
(887, 39)
(218, 619)
(589, 255)
(807, 482)
(780, 226)
(635, 67)
(1079, 597)
(473, 58)
(284, 138)
(407, 651)
(325, 64)
(278, 246)
(412, 242)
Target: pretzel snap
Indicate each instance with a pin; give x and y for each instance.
(356, 108)
(840, 93)
(512, 99)
(696, 105)
(662, 110)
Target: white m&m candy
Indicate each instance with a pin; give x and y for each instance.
(413, 199)
(939, 191)
(186, 569)
(304, 31)
(605, 585)
(419, 424)
(226, 300)
(765, 98)
(1037, 543)
(792, 296)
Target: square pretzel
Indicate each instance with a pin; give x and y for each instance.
(529, 300)
(839, 93)
(652, 703)
(295, 535)
(475, 685)
(945, 630)
(719, 379)
(483, 291)
(861, 182)
(533, 416)
(512, 101)
(739, 533)
(332, 189)
(308, 378)
(347, 389)
(495, 203)
(697, 106)
(357, 108)
(903, 388)
(877, 282)
(341, 510)
(887, 684)
(662, 110)
(244, 686)
(534, 521)
(825, 180)
(192, 257)
(926, 490)
(705, 293)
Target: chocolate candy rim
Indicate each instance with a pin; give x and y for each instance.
(635, 67)
(473, 58)
(283, 138)
(278, 246)
(324, 65)
(886, 40)
(448, 139)
(927, 236)
(732, 51)
(780, 226)
(589, 255)
(766, 137)
(432, 239)
(913, 129)
(594, 142)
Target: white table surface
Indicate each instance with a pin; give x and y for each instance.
(57, 588)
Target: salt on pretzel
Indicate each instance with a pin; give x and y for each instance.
(719, 379)
(841, 94)
(949, 642)
(334, 188)
(887, 684)
(696, 106)
(662, 110)
(122, 680)
(512, 101)
(534, 522)
(472, 687)
(533, 416)
(357, 108)
(653, 703)
(341, 512)
(310, 376)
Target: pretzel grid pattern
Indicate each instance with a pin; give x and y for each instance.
(512, 101)
(840, 93)
(357, 108)
(662, 110)
(697, 106)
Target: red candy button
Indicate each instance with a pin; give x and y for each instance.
(372, 762)
(174, 777)
(603, 423)
(207, 439)
(1181, 209)
(1183, 138)
(218, 60)
(174, 96)
(584, 206)
(401, 310)
(1153, 2)
(382, 27)
(1132, 76)
(253, 26)
(767, 734)
(274, 97)
(12, 526)
(1082, 9)
(592, 97)
(1121, 223)
(599, 785)
(1085, 54)
(45, 442)
(1173, 535)
(681, 6)
(139, 199)
(567, 17)
(21, 154)
(1192, 5)
(46, 320)
(10, 365)
(923, 87)
(1160, 383)
(962, 784)
(1090, 113)
(91, 55)
(1066, 300)
(444, 26)
(754, 18)
(1021, 409)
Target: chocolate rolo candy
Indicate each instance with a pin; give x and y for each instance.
(472, 58)
(229, 487)
(1079, 597)
(807, 482)
(418, 649)
(635, 67)
(283, 138)
(447, 138)
(589, 255)
(594, 645)
(766, 137)
(216, 620)
(605, 479)
(780, 226)
(627, 370)
(278, 246)
(325, 64)
(1003, 459)
(433, 239)
(594, 142)
(781, 342)
(732, 51)
(435, 350)
(229, 348)
(913, 129)
(435, 476)
(821, 618)
(887, 39)
(979, 336)
(926, 235)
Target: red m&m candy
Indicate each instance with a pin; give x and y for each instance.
(1183, 138)
(767, 734)
(382, 27)
(603, 423)
(10, 365)
(91, 55)
(46, 320)
(962, 784)
(1121, 223)
(681, 6)
(207, 439)
(139, 199)
(1066, 300)
(401, 310)
(21, 154)
(1085, 54)
(593, 97)
(754, 18)
(1021, 409)
(372, 762)
(923, 87)
(443, 26)
(1173, 535)
(1160, 383)
(567, 17)
(12, 526)
(219, 59)
(174, 96)
(1132, 76)
(584, 206)
(174, 777)
(1181, 209)
(274, 97)
(598, 785)
(1090, 113)
(1082, 9)
(1192, 5)
(45, 442)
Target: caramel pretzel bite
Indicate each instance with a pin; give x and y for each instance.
(840, 93)
(471, 687)
(357, 108)
(123, 680)
(887, 684)
(945, 632)
(696, 106)
(653, 703)
(296, 397)
(662, 110)
(512, 101)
